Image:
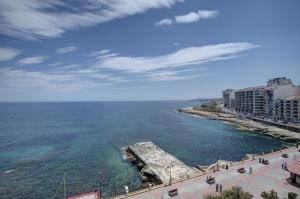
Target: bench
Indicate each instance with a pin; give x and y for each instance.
(265, 161)
(211, 180)
(285, 155)
(173, 192)
(241, 170)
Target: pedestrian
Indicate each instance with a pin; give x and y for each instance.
(250, 170)
(221, 187)
(217, 187)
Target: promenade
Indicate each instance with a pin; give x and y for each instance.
(263, 178)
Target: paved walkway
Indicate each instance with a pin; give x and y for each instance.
(263, 178)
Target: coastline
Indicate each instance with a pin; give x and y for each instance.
(246, 124)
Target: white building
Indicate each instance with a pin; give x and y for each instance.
(279, 100)
(229, 98)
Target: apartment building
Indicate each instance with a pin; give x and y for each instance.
(229, 98)
(251, 101)
(278, 100)
(287, 110)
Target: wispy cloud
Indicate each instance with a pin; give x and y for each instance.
(35, 19)
(32, 60)
(99, 52)
(67, 49)
(196, 16)
(188, 18)
(176, 75)
(164, 22)
(8, 53)
(21, 79)
(190, 56)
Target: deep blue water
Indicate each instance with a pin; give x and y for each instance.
(41, 141)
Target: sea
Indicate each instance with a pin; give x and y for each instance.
(40, 143)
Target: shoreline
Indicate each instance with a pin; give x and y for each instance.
(246, 124)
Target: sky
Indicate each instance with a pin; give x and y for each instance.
(120, 50)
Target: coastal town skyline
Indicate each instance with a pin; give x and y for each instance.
(154, 50)
(148, 99)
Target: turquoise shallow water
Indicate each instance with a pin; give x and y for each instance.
(41, 141)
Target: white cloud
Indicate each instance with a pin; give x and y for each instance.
(32, 60)
(22, 79)
(8, 53)
(164, 22)
(35, 19)
(176, 75)
(196, 16)
(100, 52)
(190, 56)
(189, 18)
(67, 49)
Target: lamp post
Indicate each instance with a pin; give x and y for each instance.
(99, 184)
(253, 152)
(170, 167)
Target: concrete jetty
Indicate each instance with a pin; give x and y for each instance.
(152, 160)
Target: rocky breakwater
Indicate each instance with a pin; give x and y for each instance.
(245, 124)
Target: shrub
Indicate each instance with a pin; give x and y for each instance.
(292, 195)
(271, 195)
(233, 193)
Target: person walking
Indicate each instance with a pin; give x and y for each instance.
(250, 170)
(217, 187)
(221, 187)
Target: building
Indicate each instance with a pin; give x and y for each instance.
(276, 89)
(251, 101)
(294, 170)
(229, 98)
(287, 110)
(278, 100)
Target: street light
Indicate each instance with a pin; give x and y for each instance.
(253, 157)
(170, 167)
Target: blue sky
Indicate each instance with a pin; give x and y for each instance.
(60, 50)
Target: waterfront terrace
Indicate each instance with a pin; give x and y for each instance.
(264, 177)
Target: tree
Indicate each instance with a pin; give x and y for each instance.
(292, 195)
(271, 195)
(233, 193)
